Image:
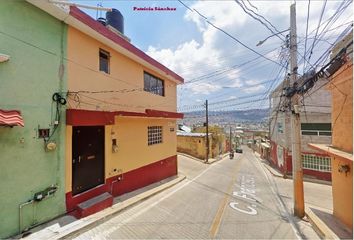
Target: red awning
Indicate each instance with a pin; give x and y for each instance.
(11, 118)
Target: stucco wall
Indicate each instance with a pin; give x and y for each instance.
(317, 109)
(126, 78)
(342, 124)
(341, 87)
(342, 190)
(35, 42)
(133, 150)
(194, 146)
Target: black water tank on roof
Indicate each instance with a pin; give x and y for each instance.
(102, 21)
(116, 20)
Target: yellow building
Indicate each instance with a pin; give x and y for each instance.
(341, 149)
(121, 116)
(194, 144)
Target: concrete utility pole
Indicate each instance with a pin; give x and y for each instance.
(299, 210)
(207, 132)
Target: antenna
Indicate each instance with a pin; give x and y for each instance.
(99, 9)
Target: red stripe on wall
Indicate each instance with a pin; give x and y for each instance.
(164, 114)
(144, 176)
(130, 181)
(78, 117)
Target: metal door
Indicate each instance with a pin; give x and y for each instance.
(87, 158)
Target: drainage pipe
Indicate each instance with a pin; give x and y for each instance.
(20, 212)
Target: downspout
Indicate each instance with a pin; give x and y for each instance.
(20, 212)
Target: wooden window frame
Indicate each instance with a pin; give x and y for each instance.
(149, 79)
(106, 53)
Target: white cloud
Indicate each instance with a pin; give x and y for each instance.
(203, 88)
(195, 58)
(253, 89)
(222, 15)
(253, 86)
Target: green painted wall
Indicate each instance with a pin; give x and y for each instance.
(36, 43)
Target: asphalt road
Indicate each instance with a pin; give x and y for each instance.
(229, 199)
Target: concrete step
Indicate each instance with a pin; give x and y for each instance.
(94, 205)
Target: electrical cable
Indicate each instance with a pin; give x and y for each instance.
(318, 27)
(307, 28)
(249, 13)
(228, 34)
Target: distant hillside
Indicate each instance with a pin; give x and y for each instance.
(251, 115)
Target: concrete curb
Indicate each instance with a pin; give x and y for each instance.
(79, 226)
(320, 227)
(211, 161)
(272, 171)
(275, 173)
(189, 156)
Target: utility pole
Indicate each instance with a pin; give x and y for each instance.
(295, 122)
(207, 132)
(230, 139)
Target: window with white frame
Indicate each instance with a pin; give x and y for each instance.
(317, 163)
(154, 135)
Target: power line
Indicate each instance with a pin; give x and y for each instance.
(229, 35)
(318, 27)
(185, 107)
(307, 28)
(249, 12)
(329, 22)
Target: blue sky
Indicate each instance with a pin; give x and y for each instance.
(210, 61)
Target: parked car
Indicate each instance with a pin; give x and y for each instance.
(239, 150)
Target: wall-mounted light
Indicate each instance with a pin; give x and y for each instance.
(114, 146)
(344, 168)
(4, 57)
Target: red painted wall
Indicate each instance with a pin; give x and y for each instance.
(288, 168)
(130, 181)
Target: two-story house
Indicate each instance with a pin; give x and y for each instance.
(121, 116)
(85, 115)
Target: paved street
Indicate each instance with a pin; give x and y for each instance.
(230, 199)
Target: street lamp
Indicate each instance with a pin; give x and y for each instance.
(261, 42)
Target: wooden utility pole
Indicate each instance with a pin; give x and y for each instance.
(299, 210)
(207, 132)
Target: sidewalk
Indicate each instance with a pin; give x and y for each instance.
(276, 173)
(322, 219)
(67, 226)
(210, 161)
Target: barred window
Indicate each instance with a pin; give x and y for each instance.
(153, 84)
(318, 163)
(154, 135)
